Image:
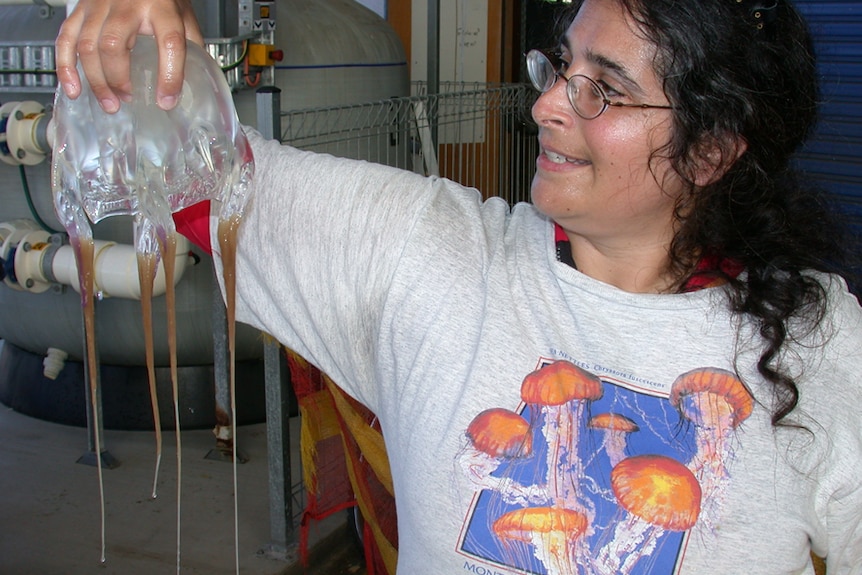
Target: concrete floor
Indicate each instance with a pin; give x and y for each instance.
(50, 519)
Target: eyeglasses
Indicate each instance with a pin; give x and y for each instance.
(586, 96)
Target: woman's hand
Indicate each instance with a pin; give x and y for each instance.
(102, 33)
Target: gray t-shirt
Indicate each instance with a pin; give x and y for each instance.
(537, 420)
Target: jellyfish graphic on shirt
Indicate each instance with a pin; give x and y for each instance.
(551, 533)
(495, 436)
(594, 476)
(560, 392)
(716, 402)
(616, 428)
(658, 494)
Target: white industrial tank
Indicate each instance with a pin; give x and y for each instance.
(336, 52)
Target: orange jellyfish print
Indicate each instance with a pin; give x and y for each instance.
(560, 392)
(616, 428)
(499, 432)
(716, 402)
(497, 435)
(712, 398)
(551, 533)
(658, 494)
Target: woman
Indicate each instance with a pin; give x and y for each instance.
(647, 370)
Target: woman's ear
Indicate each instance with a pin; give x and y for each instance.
(715, 155)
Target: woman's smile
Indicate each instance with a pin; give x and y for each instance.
(556, 159)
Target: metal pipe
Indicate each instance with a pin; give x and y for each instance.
(433, 62)
(277, 383)
(277, 376)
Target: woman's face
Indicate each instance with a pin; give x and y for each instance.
(594, 177)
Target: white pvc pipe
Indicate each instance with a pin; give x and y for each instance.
(116, 267)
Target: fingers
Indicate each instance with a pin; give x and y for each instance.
(101, 34)
(104, 51)
(171, 31)
(66, 54)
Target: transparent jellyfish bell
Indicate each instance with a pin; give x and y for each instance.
(147, 162)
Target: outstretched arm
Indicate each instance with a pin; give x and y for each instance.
(102, 33)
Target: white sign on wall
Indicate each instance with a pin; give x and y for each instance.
(463, 41)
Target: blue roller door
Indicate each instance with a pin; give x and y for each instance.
(833, 158)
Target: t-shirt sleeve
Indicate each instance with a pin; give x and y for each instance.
(318, 247)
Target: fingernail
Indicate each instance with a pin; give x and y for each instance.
(167, 102)
(109, 105)
(70, 89)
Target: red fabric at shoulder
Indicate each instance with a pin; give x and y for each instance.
(194, 223)
(711, 271)
(560, 233)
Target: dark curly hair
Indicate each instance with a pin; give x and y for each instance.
(734, 72)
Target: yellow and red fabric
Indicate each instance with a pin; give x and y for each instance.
(344, 464)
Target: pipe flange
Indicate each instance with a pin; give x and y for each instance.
(28, 261)
(11, 234)
(22, 135)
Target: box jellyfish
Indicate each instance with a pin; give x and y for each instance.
(148, 163)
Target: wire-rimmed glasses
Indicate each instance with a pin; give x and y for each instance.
(586, 96)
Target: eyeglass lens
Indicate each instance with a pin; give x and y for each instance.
(584, 94)
(586, 97)
(541, 70)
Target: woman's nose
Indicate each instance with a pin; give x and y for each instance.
(553, 105)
